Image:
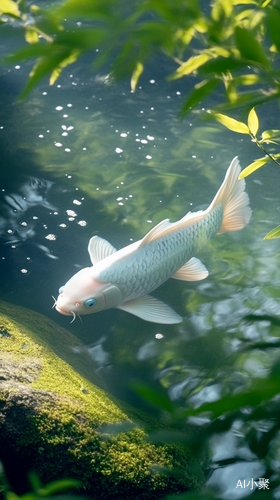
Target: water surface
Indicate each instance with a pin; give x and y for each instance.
(85, 157)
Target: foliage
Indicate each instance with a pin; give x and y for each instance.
(231, 48)
(232, 45)
(267, 137)
(38, 489)
(250, 405)
(251, 129)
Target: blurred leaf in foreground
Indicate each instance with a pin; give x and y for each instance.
(275, 233)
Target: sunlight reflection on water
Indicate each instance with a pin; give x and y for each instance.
(113, 163)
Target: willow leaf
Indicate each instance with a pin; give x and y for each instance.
(66, 62)
(221, 65)
(31, 36)
(60, 485)
(188, 67)
(232, 124)
(254, 166)
(136, 75)
(9, 7)
(247, 79)
(273, 22)
(274, 233)
(10, 495)
(250, 48)
(240, 2)
(200, 91)
(253, 122)
(270, 134)
(221, 9)
(42, 67)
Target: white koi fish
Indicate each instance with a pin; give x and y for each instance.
(124, 278)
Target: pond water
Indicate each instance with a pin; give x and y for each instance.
(88, 158)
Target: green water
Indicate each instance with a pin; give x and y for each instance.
(120, 162)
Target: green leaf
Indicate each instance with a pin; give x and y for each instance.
(9, 7)
(262, 317)
(60, 485)
(241, 2)
(231, 91)
(10, 495)
(231, 123)
(221, 65)
(254, 166)
(270, 134)
(42, 67)
(273, 23)
(34, 481)
(274, 233)
(31, 36)
(30, 51)
(66, 62)
(221, 9)
(136, 75)
(200, 91)
(188, 67)
(252, 99)
(253, 122)
(98, 10)
(250, 49)
(263, 389)
(246, 79)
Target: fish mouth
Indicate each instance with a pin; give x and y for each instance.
(63, 312)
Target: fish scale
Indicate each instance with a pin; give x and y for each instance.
(124, 278)
(157, 262)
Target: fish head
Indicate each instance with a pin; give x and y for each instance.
(84, 294)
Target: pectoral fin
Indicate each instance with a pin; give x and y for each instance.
(98, 249)
(193, 270)
(151, 309)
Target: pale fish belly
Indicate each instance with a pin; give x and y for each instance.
(154, 263)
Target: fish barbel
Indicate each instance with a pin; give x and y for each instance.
(124, 278)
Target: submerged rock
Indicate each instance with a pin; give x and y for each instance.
(52, 419)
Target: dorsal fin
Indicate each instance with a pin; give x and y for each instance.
(158, 230)
(191, 215)
(99, 249)
(165, 226)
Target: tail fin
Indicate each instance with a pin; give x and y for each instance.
(235, 200)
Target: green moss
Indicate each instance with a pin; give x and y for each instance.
(52, 415)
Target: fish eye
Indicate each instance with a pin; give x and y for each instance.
(61, 289)
(90, 302)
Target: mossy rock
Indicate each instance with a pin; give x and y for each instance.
(51, 419)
